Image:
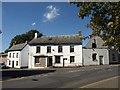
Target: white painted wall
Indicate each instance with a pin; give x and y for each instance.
(54, 51)
(25, 56)
(14, 59)
(87, 56)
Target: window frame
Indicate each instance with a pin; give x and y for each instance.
(48, 49)
(17, 55)
(71, 48)
(16, 63)
(72, 59)
(9, 55)
(38, 49)
(60, 49)
(57, 60)
(94, 56)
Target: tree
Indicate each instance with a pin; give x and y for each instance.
(28, 36)
(105, 20)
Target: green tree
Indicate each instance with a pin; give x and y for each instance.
(105, 20)
(28, 36)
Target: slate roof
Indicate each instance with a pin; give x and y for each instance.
(18, 47)
(63, 39)
(99, 43)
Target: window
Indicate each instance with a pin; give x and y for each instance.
(94, 56)
(94, 44)
(38, 49)
(57, 59)
(37, 60)
(13, 55)
(71, 48)
(48, 49)
(9, 55)
(17, 55)
(16, 63)
(59, 48)
(72, 59)
(113, 57)
(9, 62)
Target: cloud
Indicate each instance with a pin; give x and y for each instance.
(52, 12)
(33, 24)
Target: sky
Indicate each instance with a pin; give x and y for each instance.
(50, 18)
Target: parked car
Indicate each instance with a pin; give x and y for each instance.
(3, 66)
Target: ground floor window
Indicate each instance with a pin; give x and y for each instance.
(57, 59)
(16, 63)
(94, 56)
(72, 59)
(37, 61)
(9, 62)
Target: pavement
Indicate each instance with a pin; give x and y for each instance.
(112, 82)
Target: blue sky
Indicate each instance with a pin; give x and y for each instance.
(50, 18)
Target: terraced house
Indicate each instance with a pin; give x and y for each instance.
(57, 51)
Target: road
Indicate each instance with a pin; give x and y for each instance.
(71, 78)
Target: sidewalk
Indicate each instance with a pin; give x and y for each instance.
(112, 82)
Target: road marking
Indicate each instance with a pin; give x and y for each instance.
(95, 83)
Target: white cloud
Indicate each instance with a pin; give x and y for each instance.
(33, 24)
(52, 12)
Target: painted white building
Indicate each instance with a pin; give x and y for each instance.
(56, 51)
(18, 56)
(95, 53)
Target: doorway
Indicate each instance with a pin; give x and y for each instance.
(49, 61)
(101, 60)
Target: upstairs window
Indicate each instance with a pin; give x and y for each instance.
(94, 57)
(71, 48)
(48, 49)
(38, 49)
(72, 59)
(17, 55)
(13, 55)
(9, 55)
(59, 48)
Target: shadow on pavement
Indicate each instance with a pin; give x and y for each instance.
(22, 73)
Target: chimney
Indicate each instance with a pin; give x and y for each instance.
(36, 35)
(80, 33)
(14, 43)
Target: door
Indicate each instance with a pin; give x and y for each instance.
(49, 61)
(12, 64)
(101, 60)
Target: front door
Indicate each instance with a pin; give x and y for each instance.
(12, 64)
(49, 61)
(101, 60)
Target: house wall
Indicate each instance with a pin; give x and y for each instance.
(54, 52)
(25, 56)
(12, 61)
(88, 60)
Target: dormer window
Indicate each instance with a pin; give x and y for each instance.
(94, 45)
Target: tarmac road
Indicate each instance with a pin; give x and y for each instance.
(68, 78)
